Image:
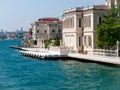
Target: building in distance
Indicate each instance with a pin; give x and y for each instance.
(48, 28)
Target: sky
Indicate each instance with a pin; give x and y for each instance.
(15, 14)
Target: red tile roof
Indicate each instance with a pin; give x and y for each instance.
(30, 29)
(48, 19)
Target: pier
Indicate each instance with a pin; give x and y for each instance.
(42, 53)
(16, 47)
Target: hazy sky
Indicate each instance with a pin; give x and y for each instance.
(20, 13)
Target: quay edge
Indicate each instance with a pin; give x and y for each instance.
(44, 55)
(96, 58)
(72, 56)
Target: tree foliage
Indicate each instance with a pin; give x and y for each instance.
(115, 10)
(108, 31)
(57, 42)
(47, 43)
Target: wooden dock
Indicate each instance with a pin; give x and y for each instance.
(96, 58)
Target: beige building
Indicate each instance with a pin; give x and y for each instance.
(79, 27)
(45, 29)
(112, 3)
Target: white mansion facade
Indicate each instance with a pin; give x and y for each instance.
(80, 24)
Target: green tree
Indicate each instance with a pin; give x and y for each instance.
(57, 42)
(47, 43)
(108, 30)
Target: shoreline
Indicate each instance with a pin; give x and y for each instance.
(59, 54)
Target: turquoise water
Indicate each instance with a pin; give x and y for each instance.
(24, 73)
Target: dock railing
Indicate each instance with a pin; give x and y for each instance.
(112, 51)
(105, 52)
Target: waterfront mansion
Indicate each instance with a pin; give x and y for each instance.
(77, 29)
(80, 24)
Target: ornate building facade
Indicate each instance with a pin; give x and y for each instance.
(72, 29)
(79, 27)
(45, 29)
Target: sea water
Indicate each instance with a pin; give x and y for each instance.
(18, 72)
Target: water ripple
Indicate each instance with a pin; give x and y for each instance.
(24, 73)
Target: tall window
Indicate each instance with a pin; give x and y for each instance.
(50, 25)
(37, 31)
(56, 25)
(85, 40)
(37, 24)
(87, 21)
(80, 23)
(65, 23)
(100, 20)
(72, 20)
(59, 30)
(79, 41)
(45, 31)
(90, 41)
(68, 23)
(53, 30)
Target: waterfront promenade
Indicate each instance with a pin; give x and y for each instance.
(96, 58)
(55, 54)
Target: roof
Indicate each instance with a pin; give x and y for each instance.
(82, 9)
(48, 19)
(102, 5)
(30, 29)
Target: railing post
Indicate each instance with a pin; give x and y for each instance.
(118, 53)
